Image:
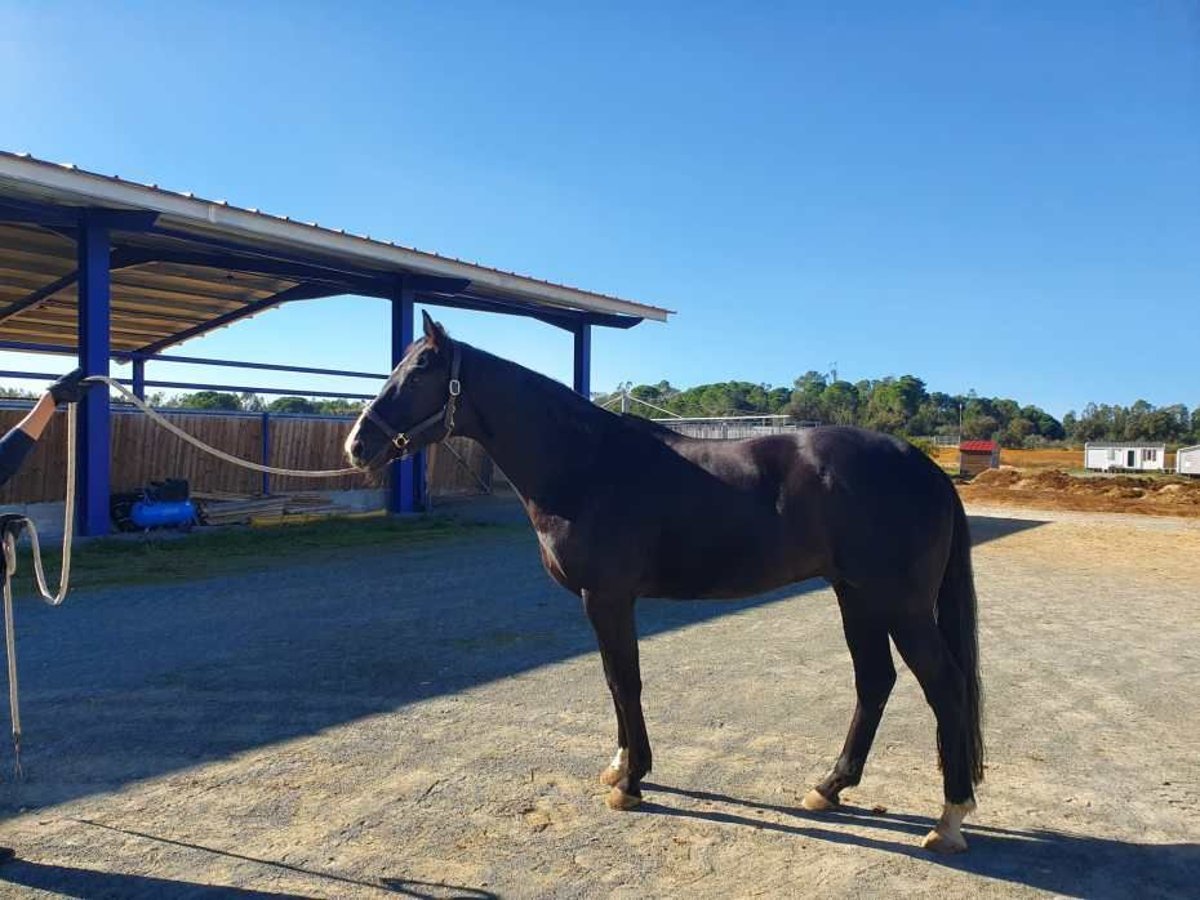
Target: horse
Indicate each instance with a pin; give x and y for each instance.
(624, 508)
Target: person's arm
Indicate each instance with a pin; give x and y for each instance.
(15, 445)
(39, 417)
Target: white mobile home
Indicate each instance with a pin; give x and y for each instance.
(1125, 457)
(1187, 460)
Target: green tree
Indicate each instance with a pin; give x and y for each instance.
(292, 405)
(209, 400)
(805, 403)
(839, 404)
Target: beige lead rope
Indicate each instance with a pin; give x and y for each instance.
(170, 426)
(54, 599)
(64, 581)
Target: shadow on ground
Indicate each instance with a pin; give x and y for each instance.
(88, 884)
(1072, 865)
(120, 686)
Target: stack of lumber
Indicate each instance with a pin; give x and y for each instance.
(234, 509)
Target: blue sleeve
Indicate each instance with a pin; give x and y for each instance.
(14, 447)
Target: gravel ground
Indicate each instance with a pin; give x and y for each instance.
(430, 723)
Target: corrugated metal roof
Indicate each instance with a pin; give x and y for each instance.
(150, 302)
(1125, 445)
(161, 288)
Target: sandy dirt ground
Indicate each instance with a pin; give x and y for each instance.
(430, 723)
(1052, 489)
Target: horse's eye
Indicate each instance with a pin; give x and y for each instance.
(423, 361)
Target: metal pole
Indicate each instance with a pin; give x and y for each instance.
(266, 452)
(583, 360)
(403, 498)
(92, 489)
(139, 377)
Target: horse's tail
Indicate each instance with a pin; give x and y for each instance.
(957, 617)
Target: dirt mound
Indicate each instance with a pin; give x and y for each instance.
(1056, 489)
(1005, 476)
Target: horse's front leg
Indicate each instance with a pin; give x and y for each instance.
(612, 619)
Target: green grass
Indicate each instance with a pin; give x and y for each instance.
(168, 558)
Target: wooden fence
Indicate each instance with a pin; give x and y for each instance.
(143, 452)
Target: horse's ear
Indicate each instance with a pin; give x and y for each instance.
(435, 334)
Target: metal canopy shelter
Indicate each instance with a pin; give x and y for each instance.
(106, 268)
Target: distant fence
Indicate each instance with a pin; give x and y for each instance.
(734, 427)
(143, 452)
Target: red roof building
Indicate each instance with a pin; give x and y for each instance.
(976, 456)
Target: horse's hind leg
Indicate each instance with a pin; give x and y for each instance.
(920, 643)
(616, 770)
(867, 637)
(612, 619)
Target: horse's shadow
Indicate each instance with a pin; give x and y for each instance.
(1073, 865)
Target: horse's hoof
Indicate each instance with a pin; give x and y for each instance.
(815, 801)
(618, 799)
(610, 776)
(944, 843)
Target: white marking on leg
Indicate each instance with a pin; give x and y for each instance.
(620, 761)
(947, 836)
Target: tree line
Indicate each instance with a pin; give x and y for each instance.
(901, 406)
(904, 406)
(221, 400)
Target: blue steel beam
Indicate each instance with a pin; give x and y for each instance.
(47, 215)
(92, 486)
(120, 259)
(566, 319)
(128, 355)
(582, 381)
(404, 486)
(139, 378)
(33, 298)
(270, 367)
(239, 257)
(299, 292)
(244, 389)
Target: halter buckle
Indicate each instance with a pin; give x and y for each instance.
(400, 442)
(455, 387)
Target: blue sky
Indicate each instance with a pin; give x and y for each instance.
(1000, 196)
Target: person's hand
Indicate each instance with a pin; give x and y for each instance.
(69, 388)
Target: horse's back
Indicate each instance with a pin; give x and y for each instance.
(887, 509)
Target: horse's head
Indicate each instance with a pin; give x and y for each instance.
(416, 406)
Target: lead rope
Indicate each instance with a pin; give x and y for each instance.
(9, 545)
(170, 426)
(54, 599)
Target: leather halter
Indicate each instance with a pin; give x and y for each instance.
(401, 440)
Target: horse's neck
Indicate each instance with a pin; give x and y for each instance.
(518, 417)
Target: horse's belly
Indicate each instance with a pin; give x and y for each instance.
(733, 565)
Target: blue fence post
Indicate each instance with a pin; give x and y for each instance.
(583, 359)
(92, 486)
(139, 377)
(266, 452)
(403, 497)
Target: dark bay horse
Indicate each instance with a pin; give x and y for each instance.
(625, 509)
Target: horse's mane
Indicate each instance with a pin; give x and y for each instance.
(573, 411)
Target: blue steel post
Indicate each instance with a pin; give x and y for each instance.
(92, 487)
(583, 359)
(139, 377)
(404, 488)
(266, 452)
